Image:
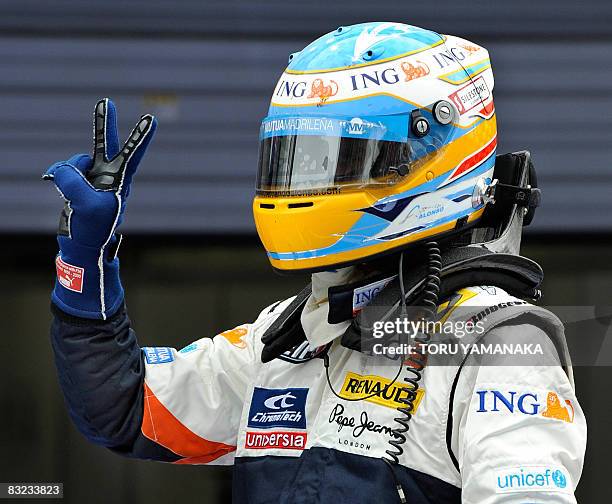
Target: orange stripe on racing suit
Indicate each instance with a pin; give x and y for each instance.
(161, 426)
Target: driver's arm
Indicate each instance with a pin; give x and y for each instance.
(519, 431)
(155, 403)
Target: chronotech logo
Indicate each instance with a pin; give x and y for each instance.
(271, 408)
(377, 390)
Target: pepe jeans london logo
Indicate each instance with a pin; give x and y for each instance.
(357, 424)
(273, 408)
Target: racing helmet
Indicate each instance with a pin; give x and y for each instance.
(378, 136)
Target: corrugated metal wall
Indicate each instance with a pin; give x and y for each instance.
(207, 69)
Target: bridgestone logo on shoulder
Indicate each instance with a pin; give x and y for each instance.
(492, 309)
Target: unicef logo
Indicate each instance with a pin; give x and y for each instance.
(559, 479)
(533, 478)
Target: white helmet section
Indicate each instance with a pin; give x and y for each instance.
(455, 69)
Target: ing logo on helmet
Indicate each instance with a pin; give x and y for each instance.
(318, 89)
(414, 71)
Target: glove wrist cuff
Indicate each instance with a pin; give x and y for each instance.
(87, 283)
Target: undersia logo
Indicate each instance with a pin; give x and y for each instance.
(381, 390)
(527, 403)
(283, 440)
(278, 408)
(531, 478)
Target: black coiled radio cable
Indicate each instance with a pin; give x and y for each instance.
(416, 362)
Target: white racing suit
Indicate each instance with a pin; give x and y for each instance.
(480, 434)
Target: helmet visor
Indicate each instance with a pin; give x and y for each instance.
(309, 156)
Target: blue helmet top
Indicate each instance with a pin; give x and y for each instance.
(362, 44)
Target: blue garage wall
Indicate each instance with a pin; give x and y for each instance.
(207, 71)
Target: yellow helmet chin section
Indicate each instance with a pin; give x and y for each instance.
(357, 254)
(303, 224)
(304, 232)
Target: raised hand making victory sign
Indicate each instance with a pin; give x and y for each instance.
(95, 190)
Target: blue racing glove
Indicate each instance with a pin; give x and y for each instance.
(95, 191)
